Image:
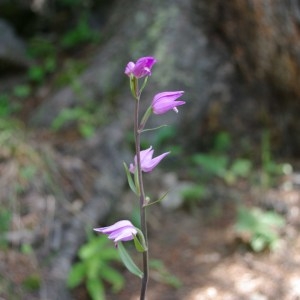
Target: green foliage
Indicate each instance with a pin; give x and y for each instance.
(135, 216)
(239, 168)
(85, 120)
(45, 54)
(88, 114)
(217, 162)
(32, 282)
(218, 165)
(81, 33)
(28, 172)
(211, 164)
(22, 91)
(165, 136)
(71, 70)
(270, 169)
(38, 72)
(130, 180)
(161, 274)
(5, 219)
(27, 249)
(5, 107)
(128, 262)
(9, 129)
(94, 268)
(222, 142)
(260, 227)
(193, 195)
(8, 103)
(40, 47)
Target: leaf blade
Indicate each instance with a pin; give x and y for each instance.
(128, 262)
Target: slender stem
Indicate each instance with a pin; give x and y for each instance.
(137, 135)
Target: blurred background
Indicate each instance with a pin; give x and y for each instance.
(229, 227)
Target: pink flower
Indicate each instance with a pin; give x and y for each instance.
(120, 231)
(163, 102)
(147, 162)
(141, 68)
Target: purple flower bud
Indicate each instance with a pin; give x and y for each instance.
(147, 162)
(163, 102)
(120, 231)
(141, 68)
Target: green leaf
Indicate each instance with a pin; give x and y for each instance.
(194, 192)
(222, 142)
(154, 128)
(137, 182)
(138, 246)
(262, 227)
(93, 266)
(158, 200)
(144, 84)
(115, 278)
(36, 73)
(133, 86)
(258, 243)
(22, 91)
(109, 254)
(92, 247)
(5, 106)
(166, 135)
(86, 130)
(129, 179)
(241, 167)
(128, 262)
(273, 219)
(96, 289)
(76, 275)
(212, 164)
(146, 116)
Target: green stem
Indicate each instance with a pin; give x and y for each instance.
(137, 135)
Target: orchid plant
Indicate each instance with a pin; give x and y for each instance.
(124, 230)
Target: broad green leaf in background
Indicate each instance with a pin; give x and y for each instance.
(113, 277)
(96, 289)
(76, 275)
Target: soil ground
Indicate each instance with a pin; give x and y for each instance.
(205, 254)
(198, 247)
(202, 252)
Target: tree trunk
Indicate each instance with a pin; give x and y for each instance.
(263, 39)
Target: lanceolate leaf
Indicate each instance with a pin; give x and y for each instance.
(112, 276)
(144, 84)
(138, 245)
(158, 200)
(76, 275)
(129, 179)
(128, 262)
(96, 289)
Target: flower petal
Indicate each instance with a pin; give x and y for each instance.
(149, 166)
(165, 101)
(129, 68)
(141, 68)
(114, 227)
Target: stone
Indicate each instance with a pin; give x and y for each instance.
(12, 49)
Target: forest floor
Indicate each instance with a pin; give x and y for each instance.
(195, 253)
(210, 261)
